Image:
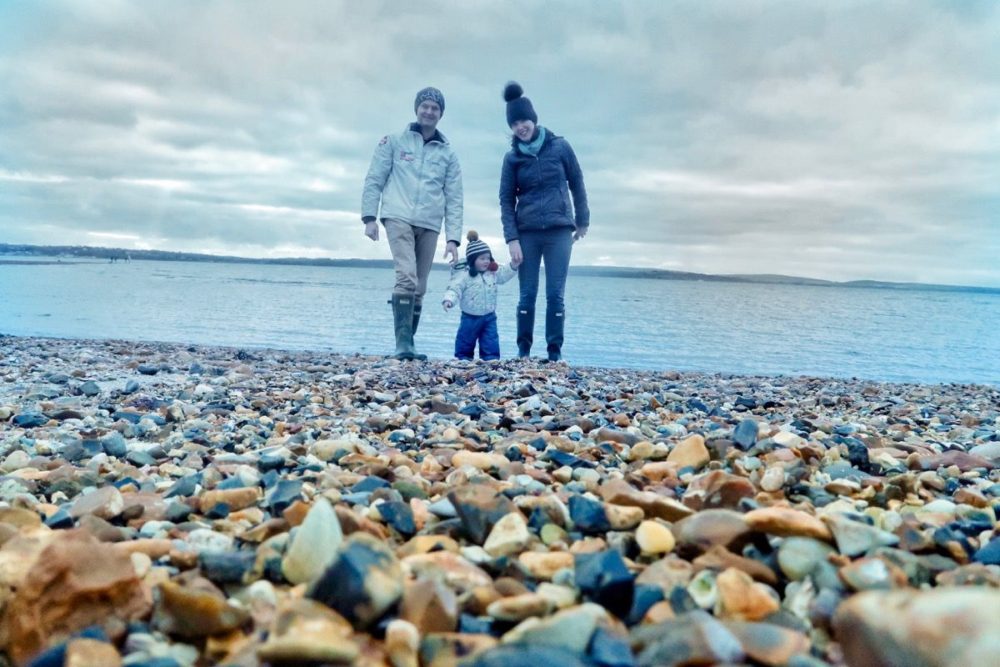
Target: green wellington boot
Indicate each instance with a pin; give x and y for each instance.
(418, 307)
(402, 315)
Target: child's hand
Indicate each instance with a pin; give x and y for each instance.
(447, 305)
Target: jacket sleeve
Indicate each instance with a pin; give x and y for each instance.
(574, 175)
(378, 174)
(454, 290)
(453, 201)
(505, 273)
(508, 200)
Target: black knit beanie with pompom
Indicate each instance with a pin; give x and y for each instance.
(518, 106)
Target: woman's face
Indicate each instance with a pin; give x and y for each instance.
(523, 129)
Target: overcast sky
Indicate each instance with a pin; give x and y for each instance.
(839, 140)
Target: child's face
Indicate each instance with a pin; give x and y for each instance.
(483, 262)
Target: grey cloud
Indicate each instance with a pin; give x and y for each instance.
(853, 140)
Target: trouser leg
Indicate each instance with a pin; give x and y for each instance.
(489, 338)
(557, 251)
(465, 339)
(527, 278)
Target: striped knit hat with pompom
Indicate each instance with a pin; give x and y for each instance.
(475, 247)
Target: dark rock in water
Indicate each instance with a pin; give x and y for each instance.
(479, 508)
(370, 483)
(114, 444)
(989, 554)
(90, 388)
(588, 515)
(644, 597)
(603, 578)
(30, 420)
(363, 583)
(609, 650)
(285, 492)
(745, 435)
(398, 515)
(524, 655)
(60, 519)
(226, 567)
(131, 387)
(146, 369)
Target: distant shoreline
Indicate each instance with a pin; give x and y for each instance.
(73, 255)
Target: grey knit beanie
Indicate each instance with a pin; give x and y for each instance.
(432, 94)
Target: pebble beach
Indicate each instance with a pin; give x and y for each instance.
(164, 505)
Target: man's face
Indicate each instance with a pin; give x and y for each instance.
(428, 114)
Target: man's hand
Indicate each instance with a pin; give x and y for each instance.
(451, 248)
(514, 247)
(447, 305)
(580, 233)
(371, 230)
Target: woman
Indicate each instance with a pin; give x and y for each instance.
(539, 174)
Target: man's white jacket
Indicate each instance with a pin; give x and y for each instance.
(418, 183)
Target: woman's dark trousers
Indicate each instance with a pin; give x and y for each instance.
(552, 247)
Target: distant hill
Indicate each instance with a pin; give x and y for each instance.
(120, 254)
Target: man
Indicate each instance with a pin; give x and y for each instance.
(416, 176)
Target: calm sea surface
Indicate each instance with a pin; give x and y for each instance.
(879, 334)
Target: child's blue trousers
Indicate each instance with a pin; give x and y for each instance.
(482, 328)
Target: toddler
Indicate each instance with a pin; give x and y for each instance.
(475, 291)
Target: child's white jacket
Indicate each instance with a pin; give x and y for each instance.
(477, 295)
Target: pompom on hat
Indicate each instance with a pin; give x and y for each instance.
(429, 93)
(476, 247)
(518, 106)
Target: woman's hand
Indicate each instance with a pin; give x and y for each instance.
(514, 247)
(446, 304)
(580, 233)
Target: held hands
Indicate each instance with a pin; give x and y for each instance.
(516, 257)
(371, 230)
(580, 233)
